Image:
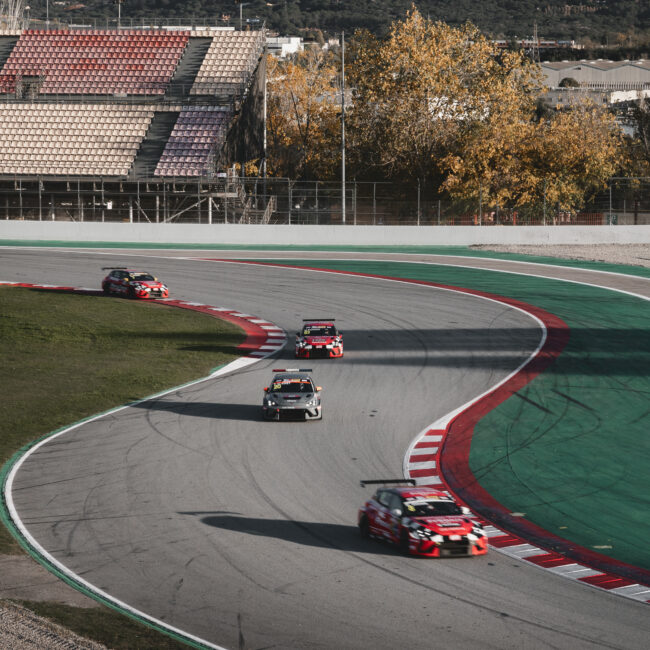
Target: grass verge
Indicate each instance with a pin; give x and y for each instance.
(67, 356)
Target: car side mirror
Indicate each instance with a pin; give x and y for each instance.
(297, 333)
(465, 510)
(397, 512)
(319, 388)
(266, 389)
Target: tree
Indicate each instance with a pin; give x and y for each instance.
(303, 124)
(575, 153)
(424, 90)
(560, 161)
(640, 144)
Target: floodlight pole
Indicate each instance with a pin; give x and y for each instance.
(343, 127)
(241, 13)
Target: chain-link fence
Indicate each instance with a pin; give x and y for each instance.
(624, 200)
(284, 201)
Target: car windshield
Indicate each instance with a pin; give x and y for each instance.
(292, 386)
(433, 508)
(143, 277)
(319, 330)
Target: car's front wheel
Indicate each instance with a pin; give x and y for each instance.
(106, 288)
(364, 527)
(404, 544)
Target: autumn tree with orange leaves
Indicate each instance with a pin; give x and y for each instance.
(303, 126)
(423, 91)
(441, 107)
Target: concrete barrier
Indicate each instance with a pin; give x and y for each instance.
(211, 235)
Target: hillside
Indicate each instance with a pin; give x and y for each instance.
(596, 21)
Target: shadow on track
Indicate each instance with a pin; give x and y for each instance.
(337, 536)
(213, 410)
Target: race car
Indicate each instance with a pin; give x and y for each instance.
(319, 338)
(132, 284)
(420, 521)
(292, 395)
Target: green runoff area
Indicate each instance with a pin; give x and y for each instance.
(461, 251)
(570, 451)
(68, 356)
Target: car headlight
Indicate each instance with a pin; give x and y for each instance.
(270, 402)
(312, 402)
(477, 532)
(421, 532)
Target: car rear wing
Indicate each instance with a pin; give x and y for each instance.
(114, 268)
(318, 320)
(389, 481)
(292, 370)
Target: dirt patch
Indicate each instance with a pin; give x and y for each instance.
(21, 578)
(634, 254)
(21, 629)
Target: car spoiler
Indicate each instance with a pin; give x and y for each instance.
(292, 370)
(114, 268)
(318, 320)
(388, 481)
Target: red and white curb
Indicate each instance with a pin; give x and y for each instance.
(423, 457)
(263, 338)
(422, 463)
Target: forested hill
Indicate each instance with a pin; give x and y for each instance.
(600, 21)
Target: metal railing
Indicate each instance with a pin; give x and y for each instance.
(232, 199)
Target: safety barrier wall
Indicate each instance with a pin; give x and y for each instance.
(173, 233)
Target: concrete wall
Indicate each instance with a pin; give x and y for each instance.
(323, 235)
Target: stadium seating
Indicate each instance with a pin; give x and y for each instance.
(116, 83)
(71, 139)
(228, 63)
(198, 132)
(137, 62)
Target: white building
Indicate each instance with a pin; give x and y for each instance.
(599, 74)
(283, 46)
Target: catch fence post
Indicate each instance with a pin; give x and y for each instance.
(609, 219)
(374, 204)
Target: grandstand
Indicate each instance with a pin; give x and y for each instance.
(128, 124)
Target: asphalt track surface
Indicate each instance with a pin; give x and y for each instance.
(242, 532)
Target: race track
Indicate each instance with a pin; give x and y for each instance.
(242, 532)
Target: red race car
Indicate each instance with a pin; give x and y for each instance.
(319, 338)
(133, 284)
(421, 521)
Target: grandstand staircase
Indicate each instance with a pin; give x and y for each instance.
(187, 69)
(153, 144)
(245, 207)
(6, 46)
